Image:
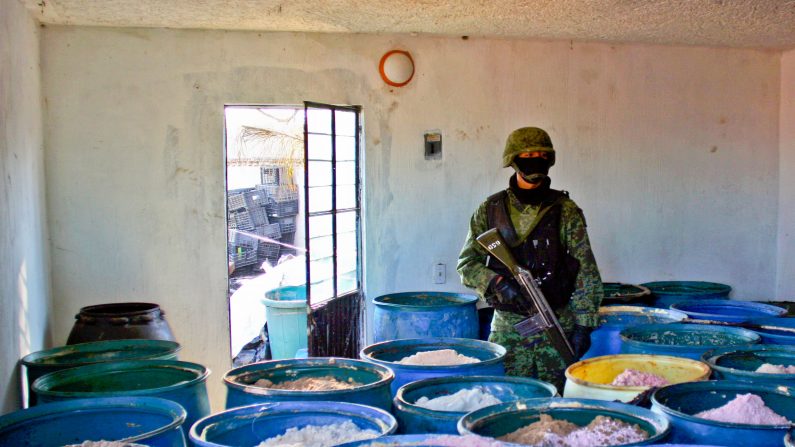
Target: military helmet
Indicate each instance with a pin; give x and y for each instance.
(527, 139)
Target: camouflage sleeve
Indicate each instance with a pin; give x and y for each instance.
(472, 260)
(587, 296)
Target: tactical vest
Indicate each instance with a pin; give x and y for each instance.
(542, 252)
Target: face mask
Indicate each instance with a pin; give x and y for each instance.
(532, 170)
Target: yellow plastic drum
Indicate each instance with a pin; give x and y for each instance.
(591, 378)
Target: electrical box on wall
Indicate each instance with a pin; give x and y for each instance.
(433, 145)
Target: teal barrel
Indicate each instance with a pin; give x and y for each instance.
(491, 358)
(434, 440)
(772, 336)
(742, 363)
(666, 293)
(729, 311)
(680, 402)
(425, 314)
(415, 419)
(39, 363)
(606, 339)
(616, 293)
(683, 340)
(374, 390)
(286, 314)
(499, 420)
(149, 421)
(252, 424)
(181, 382)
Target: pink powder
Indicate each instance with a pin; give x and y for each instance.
(745, 409)
(768, 368)
(633, 377)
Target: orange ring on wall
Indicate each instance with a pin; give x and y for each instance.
(383, 74)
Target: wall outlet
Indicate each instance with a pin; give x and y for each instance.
(439, 273)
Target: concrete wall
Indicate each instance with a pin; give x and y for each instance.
(24, 276)
(672, 153)
(786, 224)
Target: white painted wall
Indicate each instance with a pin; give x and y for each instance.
(786, 207)
(672, 153)
(24, 275)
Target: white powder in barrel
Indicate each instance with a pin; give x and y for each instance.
(326, 383)
(320, 436)
(463, 401)
(105, 444)
(768, 368)
(602, 431)
(633, 377)
(440, 357)
(745, 409)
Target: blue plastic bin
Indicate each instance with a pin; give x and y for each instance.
(285, 313)
(425, 314)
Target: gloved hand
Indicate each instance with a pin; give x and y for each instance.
(504, 294)
(580, 340)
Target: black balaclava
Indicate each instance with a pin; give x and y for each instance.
(532, 170)
(533, 196)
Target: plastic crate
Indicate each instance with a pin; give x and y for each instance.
(236, 201)
(237, 239)
(272, 231)
(241, 220)
(269, 251)
(282, 209)
(258, 215)
(287, 223)
(271, 175)
(243, 254)
(288, 238)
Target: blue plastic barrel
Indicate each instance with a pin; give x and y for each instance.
(742, 363)
(285, 313)
(772, 336)
(606, 339)
(730, 311)
(250, 425)
(491, 358)
(666, 293)
(425, 314)
(430, 440)
(683, 340)
(181, 382)
(39, 363)
(374, 379)
(143, 420)
(413, 418)
(680, 402)
(499, 420)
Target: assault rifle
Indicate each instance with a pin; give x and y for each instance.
(543, 318)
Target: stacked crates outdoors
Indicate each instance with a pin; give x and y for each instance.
(282, 202)
(247, 219)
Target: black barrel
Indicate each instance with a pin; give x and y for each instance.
(119, 321)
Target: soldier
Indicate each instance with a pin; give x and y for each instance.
(547, 234)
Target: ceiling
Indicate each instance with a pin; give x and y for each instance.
(764, 24)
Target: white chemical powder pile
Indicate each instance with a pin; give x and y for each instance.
(440, 357)
(745, 409)
(633, 377)
(326, 383)
(320, 436)
(768, 368)
(105, 444)
(463, 401)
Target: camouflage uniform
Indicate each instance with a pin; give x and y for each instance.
(535, 356)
